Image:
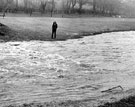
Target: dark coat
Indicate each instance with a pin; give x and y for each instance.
(54, 27)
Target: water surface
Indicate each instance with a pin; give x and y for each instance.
(44, 71)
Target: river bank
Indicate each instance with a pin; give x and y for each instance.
(39, 28)
(126, 102)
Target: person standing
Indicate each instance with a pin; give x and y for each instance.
(54, 30)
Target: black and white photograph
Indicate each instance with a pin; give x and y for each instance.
(67, 53)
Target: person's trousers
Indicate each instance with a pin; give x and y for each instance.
(53, 35)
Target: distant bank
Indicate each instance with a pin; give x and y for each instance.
(39, 28)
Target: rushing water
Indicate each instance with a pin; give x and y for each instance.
(76, 69)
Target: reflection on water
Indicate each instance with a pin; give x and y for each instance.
(65, 70)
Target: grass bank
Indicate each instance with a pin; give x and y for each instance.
(39, 28)
(127, 102)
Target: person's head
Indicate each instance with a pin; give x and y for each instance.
(54, 22)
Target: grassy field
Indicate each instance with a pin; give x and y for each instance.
(36, 28)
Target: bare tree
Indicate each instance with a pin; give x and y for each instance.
(67, 6)
(16, 5)
(128, 8)
(52, 7)
(106, 6)
(73, 3)
(25, 5)
(94, 5)
(30, 7)
(43, 5)
(2, 3)
(81, 3)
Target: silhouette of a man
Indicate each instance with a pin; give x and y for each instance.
(54, 29)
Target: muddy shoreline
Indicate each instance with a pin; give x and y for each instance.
(125, 102)
(8, 34)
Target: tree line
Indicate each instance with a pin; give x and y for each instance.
(103, 7)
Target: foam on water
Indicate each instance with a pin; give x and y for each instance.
(80, 68)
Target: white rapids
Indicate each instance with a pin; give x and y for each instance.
(77, 69)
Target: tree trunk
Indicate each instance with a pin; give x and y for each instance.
(94, 6)
(16, 5)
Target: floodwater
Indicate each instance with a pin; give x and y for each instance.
(78, 69)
